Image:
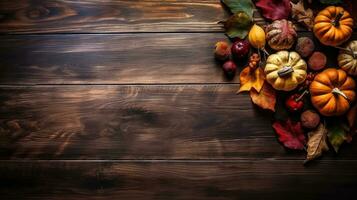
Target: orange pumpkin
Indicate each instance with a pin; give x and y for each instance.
(333, 26)
(332, 92)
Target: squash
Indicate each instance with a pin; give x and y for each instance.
(256, 37)
(333, 26)
(332, 92)
(347, 59)
(281, 34)
(285, 70)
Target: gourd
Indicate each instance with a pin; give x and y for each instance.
(333, 26)
(332, 92)
(285, 70)
(256, 37)
(347, 59)
(281, 34)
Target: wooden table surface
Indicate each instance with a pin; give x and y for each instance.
(122, 99)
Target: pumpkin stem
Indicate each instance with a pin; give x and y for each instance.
(302, 96)
(339, 92)
(336, 21)
(286, 70)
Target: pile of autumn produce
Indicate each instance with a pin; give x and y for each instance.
(314, 104)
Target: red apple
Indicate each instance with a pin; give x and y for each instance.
(294, 103)
(229, 68)
(240, 48)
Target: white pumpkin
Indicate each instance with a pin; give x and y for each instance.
(347, 59)
(285, 70)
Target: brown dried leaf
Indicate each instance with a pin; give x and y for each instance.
(302, 15)
(266, 98)
(317, 143)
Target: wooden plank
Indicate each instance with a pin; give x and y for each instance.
(259, 179)
(116, 59)
(119, 16)
(124, 121)
(137, 122)
(110, 59)
(104, 16)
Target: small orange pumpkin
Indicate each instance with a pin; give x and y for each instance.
(332, 92)
(333, 26)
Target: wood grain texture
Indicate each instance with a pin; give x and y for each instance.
(244, 180)
(128, 122)
(110, 59)
(138, 108)
(98, 16)
(137, 122)
(108, 16)
(116, 59)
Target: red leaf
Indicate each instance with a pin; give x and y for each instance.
(275, 9)
(291, 134)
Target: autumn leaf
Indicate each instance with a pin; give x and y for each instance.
(251, 78)
(336, 134)
(240, 5)
(317, 143)
(266, 98)
(275, 9)
(302, 15)
(290, 134)
(237, 25)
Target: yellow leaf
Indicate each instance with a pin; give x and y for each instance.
(250, 78)
(266, 98)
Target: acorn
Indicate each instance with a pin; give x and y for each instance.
(305, 47)
(317, 61)
(310, 119)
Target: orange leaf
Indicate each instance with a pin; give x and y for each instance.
(250, 78)
(266, 98)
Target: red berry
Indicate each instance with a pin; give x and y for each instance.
(294, 104)
(240, 48)
(229, 68)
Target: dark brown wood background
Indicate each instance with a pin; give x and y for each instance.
(122, 99)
